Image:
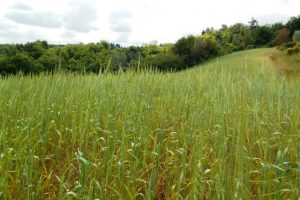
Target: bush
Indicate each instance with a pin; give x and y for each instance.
(166, 61)
(263, 35)
(282, 37)
(294, 50)
(3, 64)
(184, 45)
(202, 49)
(287, 45)
(226, 49)
(21, 62)
(49, 61)
(296, 36)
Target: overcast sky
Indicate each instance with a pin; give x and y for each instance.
(130, 21)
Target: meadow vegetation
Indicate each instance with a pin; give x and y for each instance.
(228, 129)
(287, 62)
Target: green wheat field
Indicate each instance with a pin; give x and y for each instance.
(227, 129)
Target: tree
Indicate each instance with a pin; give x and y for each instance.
(203, 49)
(3, 64)
(49, 61)
(241, 36)
(225, 35)
(118, 59)
(282, 36)
(263, 35)
(183, 46)
(253, 23)
(34, 49)
(296, 36)
(104, 44)
(277, 27)
(20, 62)
(166, 61)
(293, 24)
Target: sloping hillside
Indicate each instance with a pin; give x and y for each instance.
(270, 58)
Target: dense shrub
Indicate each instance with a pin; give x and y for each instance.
(263, 35)
(21, 62)
(282, 36)
(296, 36)
(287, 45)
(293, 50)
(202, 49)
(293, 25)
(166, 62)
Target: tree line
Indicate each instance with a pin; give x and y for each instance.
(39, 56)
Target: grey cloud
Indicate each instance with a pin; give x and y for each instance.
(272, 18)
(78, 18)
(41, 19)
(123, 38)
(118, 27)
(4, 27)
(68, 34)
(11, 33)
(9, 36)
(81, 16)
(21, 6)
(120, 15)
(119, 22)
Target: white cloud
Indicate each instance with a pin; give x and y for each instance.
(21, 6)
(272, 18)
(81, 15)
(123, 38)
(129, 21)
(41, 19)
(119, 21)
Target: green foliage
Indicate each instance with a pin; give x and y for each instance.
(293, 50)
(3, 65)
(277, 27)
(3, 48)
(241, 36)
(20, 62)
(49, 61)
(293, 25)
(165, 61)
(193, 50)
(203, 49)
(184, 46)
(284, 46)
(33, 49)
(227, 48)
(290, 48)
(296, 36)
(263, 35)
(253, 23)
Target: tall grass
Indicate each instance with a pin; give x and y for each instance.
(227, 130)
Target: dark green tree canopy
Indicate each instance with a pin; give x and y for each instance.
(293, 25)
